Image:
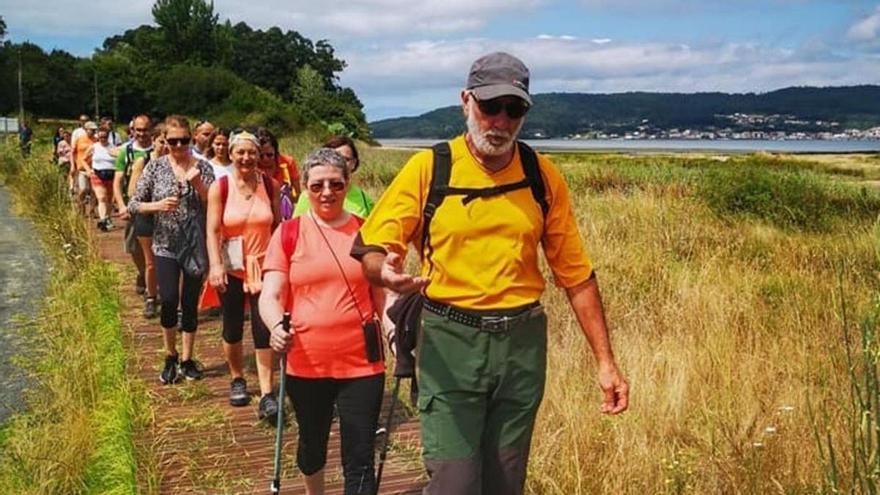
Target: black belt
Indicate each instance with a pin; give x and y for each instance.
(487, 321)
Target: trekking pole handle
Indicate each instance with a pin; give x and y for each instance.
(285, 322)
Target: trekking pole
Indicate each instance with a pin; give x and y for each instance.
(384, 452)
(279, 425)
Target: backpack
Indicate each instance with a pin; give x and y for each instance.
(406, 311)
(129, 161)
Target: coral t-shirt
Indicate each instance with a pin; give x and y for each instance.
(328, 337)
(81, 150)
(250, 218)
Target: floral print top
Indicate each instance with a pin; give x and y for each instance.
(159, 182)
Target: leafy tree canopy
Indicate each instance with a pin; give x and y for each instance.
(190, 62)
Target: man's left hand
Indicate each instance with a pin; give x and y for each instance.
(615, 389)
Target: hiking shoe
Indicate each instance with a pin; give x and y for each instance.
(238, 394)
(268, 409)
(189, 370)
(140, 286)
(150, 308)
(169, 372)
(102, 225)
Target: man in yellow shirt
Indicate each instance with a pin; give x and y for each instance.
(482, 351)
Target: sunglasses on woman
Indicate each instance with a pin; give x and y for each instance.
(515, 109)
(335, 186)
(178, 141)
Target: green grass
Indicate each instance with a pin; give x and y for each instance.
(77, 434)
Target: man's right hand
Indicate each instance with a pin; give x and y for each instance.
(393, 276)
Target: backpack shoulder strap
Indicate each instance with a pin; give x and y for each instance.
(224, 189)
(440, 173)
(290, 235)
(533, 174)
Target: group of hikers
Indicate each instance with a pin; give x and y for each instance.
(217, 217)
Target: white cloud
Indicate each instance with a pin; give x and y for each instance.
(601, 41)
(424, 75)
(325, 19)
(867, 29)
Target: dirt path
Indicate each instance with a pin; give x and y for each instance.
(202, 445)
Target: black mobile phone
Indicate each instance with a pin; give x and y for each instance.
(373, 340)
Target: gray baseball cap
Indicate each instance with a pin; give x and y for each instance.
(499, 74)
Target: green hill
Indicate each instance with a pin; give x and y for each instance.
(565, 114)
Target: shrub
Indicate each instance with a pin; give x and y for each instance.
(788, 199)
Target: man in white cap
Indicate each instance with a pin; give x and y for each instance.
(477, 208)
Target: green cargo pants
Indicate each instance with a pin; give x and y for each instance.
(478, 397)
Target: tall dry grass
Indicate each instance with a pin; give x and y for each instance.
(76, 436)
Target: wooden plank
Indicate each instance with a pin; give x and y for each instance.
(201, 444)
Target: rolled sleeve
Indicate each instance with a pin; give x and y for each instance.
(565, 252)
(276, 259)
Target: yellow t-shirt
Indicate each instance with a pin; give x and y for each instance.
(485, 253)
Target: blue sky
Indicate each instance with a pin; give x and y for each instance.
(407, 57)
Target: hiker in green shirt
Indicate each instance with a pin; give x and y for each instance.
(356, 200)
(139, 147)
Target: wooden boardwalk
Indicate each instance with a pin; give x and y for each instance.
(202, 445)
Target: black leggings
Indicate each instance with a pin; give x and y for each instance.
(358, 401)
(232, 303)
(168, 274)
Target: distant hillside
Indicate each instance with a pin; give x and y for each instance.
(565, 114)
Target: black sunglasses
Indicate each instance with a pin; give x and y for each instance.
(178, 141)
(335, 186)
(515, 109)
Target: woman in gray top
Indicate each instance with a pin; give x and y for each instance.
(172, 189)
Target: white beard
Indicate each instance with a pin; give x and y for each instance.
(479, 138)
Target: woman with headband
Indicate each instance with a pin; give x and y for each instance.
(242, 211)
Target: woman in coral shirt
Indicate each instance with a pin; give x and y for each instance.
(242, 210)
(334, 349)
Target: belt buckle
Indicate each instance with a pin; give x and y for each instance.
(495, 324)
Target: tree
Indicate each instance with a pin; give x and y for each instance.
(189, 28)
(2, 29)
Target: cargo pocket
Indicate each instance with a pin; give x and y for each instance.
(429, 426)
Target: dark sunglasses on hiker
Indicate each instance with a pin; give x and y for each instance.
(515, 109)
(178, 141)
(335, 186)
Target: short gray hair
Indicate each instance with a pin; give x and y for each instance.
(324, 157)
